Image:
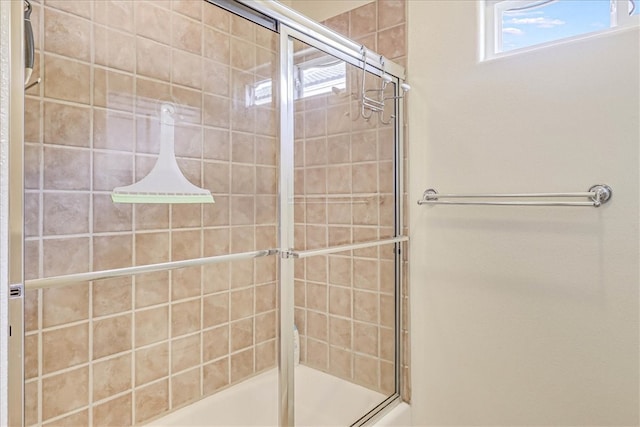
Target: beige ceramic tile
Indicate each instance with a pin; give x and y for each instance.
(392, 42)
(215, 309)
(185, 317)
(112, 89)
(317, 325)
(65, 304)
(341, 363)
(31, 305)
(315, 180)
(151, 59)
(387, 310)
(187, 69)
(217, 45)
(241, 365)
(115, 412)
(340, 332)
(151, 363)
(185, 353)
(109, 216)
(67, 35)
(242, 273)
(190, 8)
(317, 296)
(65, 347)
(241, 333)
(31, 351)
(32, 120)
(151, 288)
(339, 23)
(66, 79)
(76, 7)
(216, 17)
(111, 335)
(31, 403)
(110, 252)
(78, 419)
(151, 248)
(65, 392)
(215, 278)
(151, 22)
(32, 157)
(215, 375)
(365, 338)
(111, 376)
(265, 325)
(317, 354)
(112, 130)
(151, 216)
(365, 274)
(242, 239)
(242, 210)
(57, 176)
(114, 49)
(115, 13)
(151, 401)
(65, 213)
(215, 343)
(390, 13)
(185, 245)
(364, 19)
(265, 297)
(186, 34)
(241, 303)
(65, 256)
(242, 28)
(66, 124)
(151, 325)
(340, 270)
(185, 283)
(365, 306)
(265, 356)
(185, 387)
(366, 370)
(340, 301)
(112, 170)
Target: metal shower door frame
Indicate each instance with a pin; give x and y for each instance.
(286, 375)
(11, 213)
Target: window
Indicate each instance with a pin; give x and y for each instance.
(513, 25)
(315, 77)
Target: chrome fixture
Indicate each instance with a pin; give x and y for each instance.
(598, 194)
(376, 103)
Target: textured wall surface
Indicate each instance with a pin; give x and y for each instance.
(523, 316)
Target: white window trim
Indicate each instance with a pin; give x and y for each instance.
(492, 26)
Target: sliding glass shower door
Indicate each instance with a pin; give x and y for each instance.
(136, 312)
(345, 233)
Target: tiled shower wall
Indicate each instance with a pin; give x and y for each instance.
(344, 193)
(123, 351)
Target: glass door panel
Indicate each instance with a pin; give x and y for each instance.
(345, 316)
(129, 349)
(344, 194)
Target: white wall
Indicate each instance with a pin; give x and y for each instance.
(323, 9)
(523, 316)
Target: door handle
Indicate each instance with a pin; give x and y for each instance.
(29, 47)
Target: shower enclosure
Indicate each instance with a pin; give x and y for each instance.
(124, 313)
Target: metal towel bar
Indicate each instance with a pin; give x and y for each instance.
(598, 194)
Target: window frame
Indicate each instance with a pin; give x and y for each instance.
(492, 10)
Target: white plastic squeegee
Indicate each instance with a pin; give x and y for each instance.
(165, 183)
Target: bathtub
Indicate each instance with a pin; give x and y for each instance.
(321, 400)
